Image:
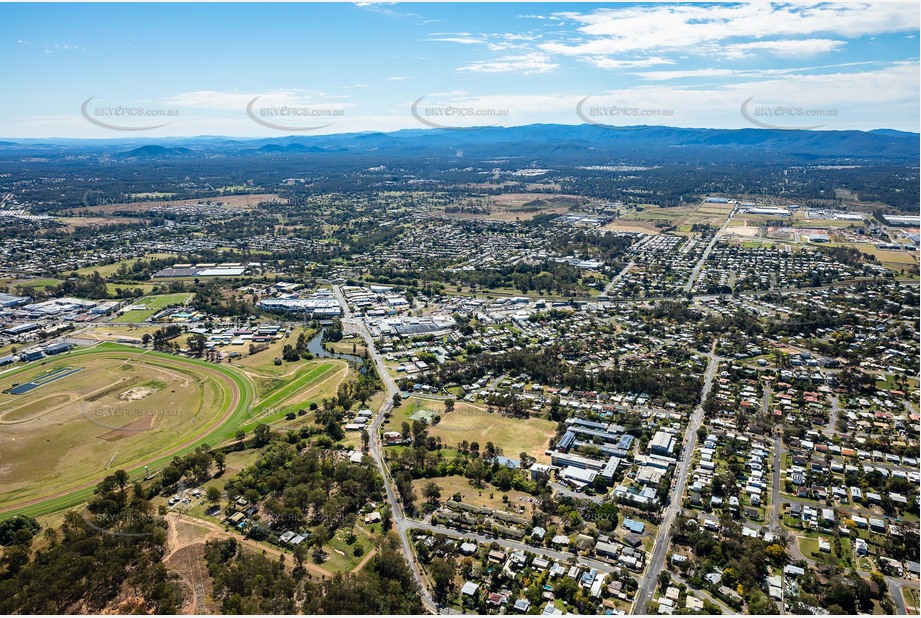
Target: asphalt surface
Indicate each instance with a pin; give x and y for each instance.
(553, 554)
(376, 450)
(660, 548)
(618, 277)
(703, 257)
(403, 523)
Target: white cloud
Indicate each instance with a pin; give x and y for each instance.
(791, 47)
(217, 100)
(603, 62)
(527, 64)
(457, 39)
(724, 28)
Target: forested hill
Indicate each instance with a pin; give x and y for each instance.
(554, 141)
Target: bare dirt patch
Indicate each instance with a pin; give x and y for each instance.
(140, 424)
(749, 231)
(136, 394)
(642, 227)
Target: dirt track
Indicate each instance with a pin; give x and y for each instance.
(178, 539)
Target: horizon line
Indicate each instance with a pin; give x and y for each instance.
(452, 129)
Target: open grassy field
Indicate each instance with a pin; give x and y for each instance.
(123, 409)
(73, 223)
(146, 288)
(810, 545)
(231, 201)
(107, 270)
(340, 555)
(714, 209)
(895, 260)
(414, 406)
(264, 361)
(624, 225)
(512, 435)
(110, 331)
(524, 206)
(489, 496)
(741, 228)
(312, 382)
(38, 284)
(713, 215)
(352, 344)
(153, 304)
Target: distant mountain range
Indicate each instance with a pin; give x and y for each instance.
(549, 141)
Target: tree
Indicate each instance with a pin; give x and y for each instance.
(432, 492)
(397, 400)
(213, 494)
(504, 478)
(10, 528)
(220, 460)
(476, 472)
(262, 434)
(449, 406)
(289, 354)
(777, 553)
(196, 344)
(442, 572)
(170, 475)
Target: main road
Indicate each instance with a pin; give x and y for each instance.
(695, 272)
(664, 537)
(377, 452)
(403, 523)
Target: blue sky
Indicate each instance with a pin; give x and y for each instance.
(329, 68)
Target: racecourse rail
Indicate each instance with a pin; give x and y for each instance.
(235, 410)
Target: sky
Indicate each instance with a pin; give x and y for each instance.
(113, 70)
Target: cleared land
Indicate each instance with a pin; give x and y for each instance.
(230, 201)
(512, 435)
(107, 270)
(414, 408)
(38, 284)
(642, 227)
(73, 223)
(489, 496)
(153, 304)
(524, 206)
(311, 383)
